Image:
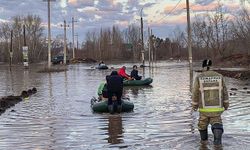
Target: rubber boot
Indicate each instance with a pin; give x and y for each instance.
(111, 109)
(204, 136)
(217, 130)
(217, 136)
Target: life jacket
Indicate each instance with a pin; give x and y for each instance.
(211, 89)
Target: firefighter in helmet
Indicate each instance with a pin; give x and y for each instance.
(210, 96)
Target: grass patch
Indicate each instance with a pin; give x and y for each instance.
(242, 75)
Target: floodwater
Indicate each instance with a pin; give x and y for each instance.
(59, 116)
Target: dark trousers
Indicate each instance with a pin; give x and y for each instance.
(117, 94)
(138, 78)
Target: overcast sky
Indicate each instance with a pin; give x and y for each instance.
(163, 16)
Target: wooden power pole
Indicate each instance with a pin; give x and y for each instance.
(142, 42)
(49, 34)
(65, 42)
(189, 45)
(73, 36)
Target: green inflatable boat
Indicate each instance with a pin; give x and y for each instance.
(146, 81)
(102, 106)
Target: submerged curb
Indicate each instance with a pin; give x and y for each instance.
(10, 101)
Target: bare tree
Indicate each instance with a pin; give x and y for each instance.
(18, 42)
(180, 41)
(34, 35)
(241, 30)
(132, 35)
(212, 33)
(5, 36)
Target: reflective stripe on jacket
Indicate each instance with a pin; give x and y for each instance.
(209, 92)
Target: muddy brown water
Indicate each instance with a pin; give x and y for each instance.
(59, 116)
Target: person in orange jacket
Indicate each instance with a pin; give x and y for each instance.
(123, 74)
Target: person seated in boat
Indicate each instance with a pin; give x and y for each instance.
(123, 74)
(102, 91)
(115, 88)
(134, 73)
(101, 63)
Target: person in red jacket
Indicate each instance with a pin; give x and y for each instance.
(123, 74)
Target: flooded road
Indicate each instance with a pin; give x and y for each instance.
(59, 116)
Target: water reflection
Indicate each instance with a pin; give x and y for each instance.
(135, 90)
(50, 85)
(143, 72)
(66, 83)
(192, 124)
(204, 147)
(25, 78)
(11, 82)
(115, 129)
(208, 146)
(150, 72)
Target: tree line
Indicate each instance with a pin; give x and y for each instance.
(35, 39)
(218, 36)
(214, 35)
(113, 44)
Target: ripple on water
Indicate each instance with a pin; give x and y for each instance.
(59, 115)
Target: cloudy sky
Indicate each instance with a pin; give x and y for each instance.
(163, 16)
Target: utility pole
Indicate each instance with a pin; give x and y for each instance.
(49, 37)
(76, 41)
(142, 43)
(11, 48)
(49, 34)
(189, 46)
(149, 47)
(65, 43)
(152, 51)
(73, 37)
(24, 36)
(25, 50)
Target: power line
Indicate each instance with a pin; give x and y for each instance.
(174, 9)
(170, 10)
